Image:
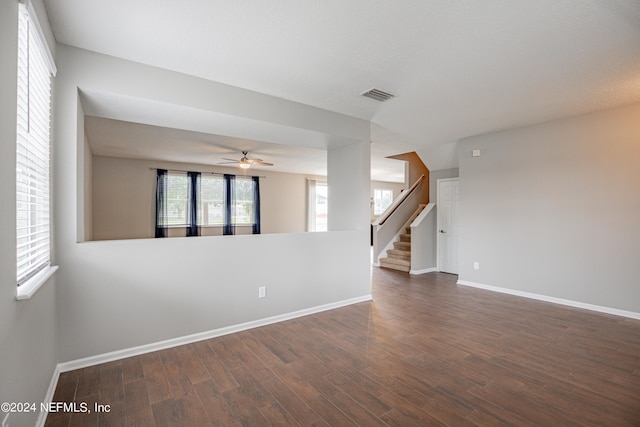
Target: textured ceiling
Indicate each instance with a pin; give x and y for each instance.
(457, 68)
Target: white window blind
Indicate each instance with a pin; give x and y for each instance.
(35, 68)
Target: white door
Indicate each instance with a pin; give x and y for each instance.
(447, 208)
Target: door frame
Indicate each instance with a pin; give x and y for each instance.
(438, 218)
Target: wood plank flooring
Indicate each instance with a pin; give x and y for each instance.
(425, 352)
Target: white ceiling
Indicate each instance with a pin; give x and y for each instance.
(457, 68)
(115, 138)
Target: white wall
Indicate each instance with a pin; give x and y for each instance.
(28, 352)
(124, 198)
(434, 176)
(423, 243)
(348, 183)
(86, 183)
(553, 209)
(117, 294)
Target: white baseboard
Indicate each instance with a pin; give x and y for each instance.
(161, 345)
(570, 303)
(423, 271)
(48, 398)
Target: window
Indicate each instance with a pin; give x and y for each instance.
(317, 205)
(218, 201)
(381, 200)
(211, 208)
(33, 139)
(242, 210)
(177, 199)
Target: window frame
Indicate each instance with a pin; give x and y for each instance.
(313, 226)
(377, 212)
(231, 205)
(201, 205)
(234, 219)
(174, 175)
(35, 72)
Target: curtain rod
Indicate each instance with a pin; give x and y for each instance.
(209, 173)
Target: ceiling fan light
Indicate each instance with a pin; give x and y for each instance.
(244, 165)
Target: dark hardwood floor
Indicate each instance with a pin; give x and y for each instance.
(425, 352)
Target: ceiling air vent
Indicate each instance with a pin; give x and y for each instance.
(377, 94)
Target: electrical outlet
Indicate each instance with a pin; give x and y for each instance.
(262, 292)
(476, 265)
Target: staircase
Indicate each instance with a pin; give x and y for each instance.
(399, 258)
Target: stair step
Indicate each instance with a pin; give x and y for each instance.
(396, 261)
(402, 246)
(399, 258)
(395, 264)
(398, 254)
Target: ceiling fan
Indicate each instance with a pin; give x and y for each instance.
(245, 162)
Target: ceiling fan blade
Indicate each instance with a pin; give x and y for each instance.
(245, 161)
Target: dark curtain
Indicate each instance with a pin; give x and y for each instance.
(256, 205)
(193, 229)
(161, 203)
(229, 204)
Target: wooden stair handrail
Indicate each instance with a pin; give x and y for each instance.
(405, 194)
